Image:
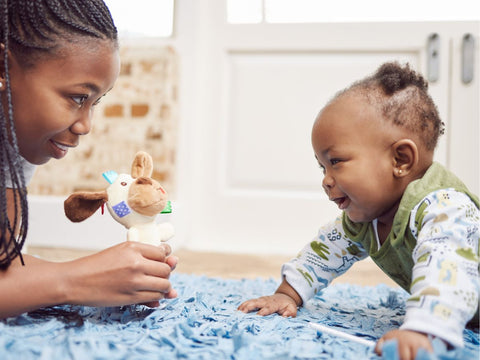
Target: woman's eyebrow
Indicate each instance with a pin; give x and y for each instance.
(92, 87)
(89, 86)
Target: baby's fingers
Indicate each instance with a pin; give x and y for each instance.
(267, 310)
(288, 310)
(266, 306)
(284, 309)
(248, 306)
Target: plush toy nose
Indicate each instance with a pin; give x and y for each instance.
(144, 181)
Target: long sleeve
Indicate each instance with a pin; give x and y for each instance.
(327, 256)
(445, 278)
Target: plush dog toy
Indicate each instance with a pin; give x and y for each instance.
(134, 201)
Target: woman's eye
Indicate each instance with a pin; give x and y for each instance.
(79, 99)
(98, 100)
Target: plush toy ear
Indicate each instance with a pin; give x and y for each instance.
(142, 165)
(81, 205)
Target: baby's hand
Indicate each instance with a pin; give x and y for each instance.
(409, 342)
(277, 303)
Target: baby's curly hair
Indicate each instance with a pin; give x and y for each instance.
(401, 96)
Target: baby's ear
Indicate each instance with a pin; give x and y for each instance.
(405, 154)
(81, 205)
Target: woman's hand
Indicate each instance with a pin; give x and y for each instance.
(408, 343)
(127, 273)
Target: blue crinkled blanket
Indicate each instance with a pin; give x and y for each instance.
(203, 323)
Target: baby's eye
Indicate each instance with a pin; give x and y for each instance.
(334, 161)
(79, 99)
(322, 168)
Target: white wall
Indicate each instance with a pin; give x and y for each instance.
(193, 37)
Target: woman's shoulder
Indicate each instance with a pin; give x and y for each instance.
(28, 171)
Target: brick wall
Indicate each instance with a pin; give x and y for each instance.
(139, 113)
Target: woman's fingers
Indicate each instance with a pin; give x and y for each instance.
(172, 262)
(152, 252)
(157, 269)
(151, 304)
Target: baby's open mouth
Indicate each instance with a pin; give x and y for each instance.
(341, 202)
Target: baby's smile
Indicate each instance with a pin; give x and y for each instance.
(342, 202)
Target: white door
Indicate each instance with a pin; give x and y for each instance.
(250, 182)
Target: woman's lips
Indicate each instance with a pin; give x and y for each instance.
(59, 150)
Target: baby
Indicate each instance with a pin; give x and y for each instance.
(375, 143)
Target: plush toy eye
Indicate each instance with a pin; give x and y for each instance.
(123, 183)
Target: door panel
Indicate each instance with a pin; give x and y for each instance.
(273, 99)
(463, 132)
(254, 184)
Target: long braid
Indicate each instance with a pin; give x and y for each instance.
(10, 246)
(38, 25)
(33, 30)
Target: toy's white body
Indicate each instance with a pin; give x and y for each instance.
(140, 227)
(151, 233)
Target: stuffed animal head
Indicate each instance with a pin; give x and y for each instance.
(131, 199)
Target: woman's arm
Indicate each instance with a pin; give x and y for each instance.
(127, 273)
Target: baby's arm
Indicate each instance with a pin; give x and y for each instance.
(327, 256)
(445, 273)
(284, 302)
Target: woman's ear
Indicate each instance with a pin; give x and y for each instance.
(405, 157)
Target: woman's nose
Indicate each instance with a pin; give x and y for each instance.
(83, 124)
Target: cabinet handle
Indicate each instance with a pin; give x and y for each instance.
(433, 57)
(468, 58)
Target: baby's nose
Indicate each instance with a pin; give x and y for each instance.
(327, 183)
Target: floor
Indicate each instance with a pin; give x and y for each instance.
(233, 266)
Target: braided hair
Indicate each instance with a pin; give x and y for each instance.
(35, 30)
(401, 95)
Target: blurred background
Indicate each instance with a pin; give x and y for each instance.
(223, 94)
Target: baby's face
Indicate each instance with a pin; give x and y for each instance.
(352, 144)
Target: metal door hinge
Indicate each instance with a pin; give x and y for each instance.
(468, 58)
(433, 55)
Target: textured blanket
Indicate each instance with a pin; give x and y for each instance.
(203, 323)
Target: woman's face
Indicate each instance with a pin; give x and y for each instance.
(53, 101)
